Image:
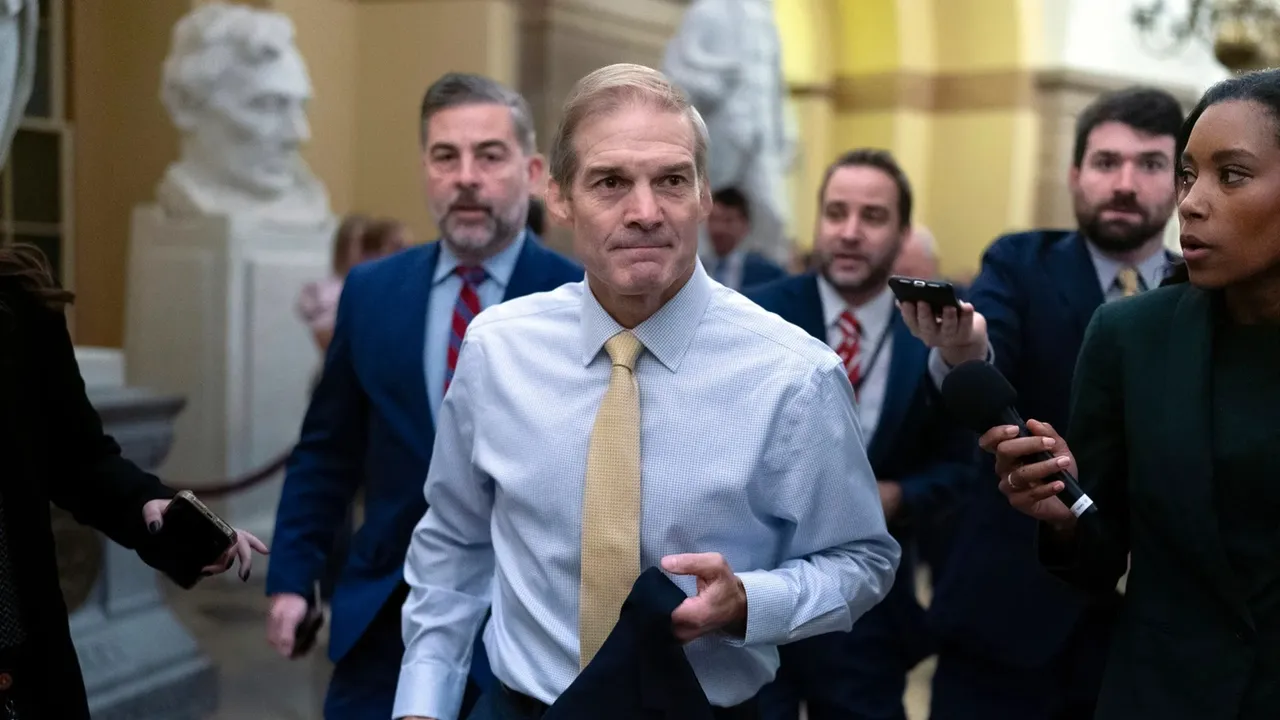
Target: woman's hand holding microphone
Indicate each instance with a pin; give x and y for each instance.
(1024, 484)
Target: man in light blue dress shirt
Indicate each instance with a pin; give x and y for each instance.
(756, 495)
(372, 420)
(1016, 642)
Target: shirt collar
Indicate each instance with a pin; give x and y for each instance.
(499, 267)
(873, 316)
(666, 334)
(1152, 270)
(832, 304)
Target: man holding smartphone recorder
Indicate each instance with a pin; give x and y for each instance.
(1015, 641)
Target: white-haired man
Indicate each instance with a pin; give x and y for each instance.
(644, 417)
(236, 88)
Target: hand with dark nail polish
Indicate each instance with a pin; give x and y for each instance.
(243, 547)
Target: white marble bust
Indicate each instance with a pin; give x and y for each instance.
(236, 88)
(735, 80)
(17, 65)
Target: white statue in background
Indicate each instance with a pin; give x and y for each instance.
(236, 87)
(734, 78)
(17, 65)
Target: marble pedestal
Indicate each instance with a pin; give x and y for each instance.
(211, 317)
(139, 662)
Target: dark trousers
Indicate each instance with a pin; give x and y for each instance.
(363, 686)
(858, 675)
(500, 703)
(968, 686)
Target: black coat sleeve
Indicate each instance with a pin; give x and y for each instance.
(1098, 553)
(86, 474)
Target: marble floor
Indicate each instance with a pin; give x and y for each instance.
(255, 684)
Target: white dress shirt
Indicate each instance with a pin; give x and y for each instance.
(876, 319)
(750, 447)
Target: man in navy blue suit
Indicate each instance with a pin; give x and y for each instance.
(729, 263)
(920, 458)
(1015, 642)
(371, 423)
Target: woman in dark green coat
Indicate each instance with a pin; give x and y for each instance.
(1175, 434)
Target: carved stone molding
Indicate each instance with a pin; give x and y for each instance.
(930, 92)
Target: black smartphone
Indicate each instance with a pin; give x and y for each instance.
(938, 293)
(304, 636)
(191, 537)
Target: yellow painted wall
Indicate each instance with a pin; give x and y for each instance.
(328, 38)
(868, 36)
(369, 63)
(808, 64)
(404, 46)
(973, 169)
(915, 145)
(970, 182)
(917, 49)
(985, 162)
(808, 51)
(123, 142)
(975, 35)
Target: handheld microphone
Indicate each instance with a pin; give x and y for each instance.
(981, 398)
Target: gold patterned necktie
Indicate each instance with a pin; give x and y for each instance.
(1127, 279)
(611, 502)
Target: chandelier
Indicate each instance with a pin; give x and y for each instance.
(1244, 34)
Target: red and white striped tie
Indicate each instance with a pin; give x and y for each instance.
(849, 347)
(464, 311)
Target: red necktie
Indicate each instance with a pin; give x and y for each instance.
(464, 311)
(849, 347)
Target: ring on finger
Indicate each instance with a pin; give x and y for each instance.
(1012, 485)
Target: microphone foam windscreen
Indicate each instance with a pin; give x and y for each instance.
(976, 394)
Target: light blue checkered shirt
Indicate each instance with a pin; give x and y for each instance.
(750, 447)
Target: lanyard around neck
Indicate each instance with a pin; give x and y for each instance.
(875, 354)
